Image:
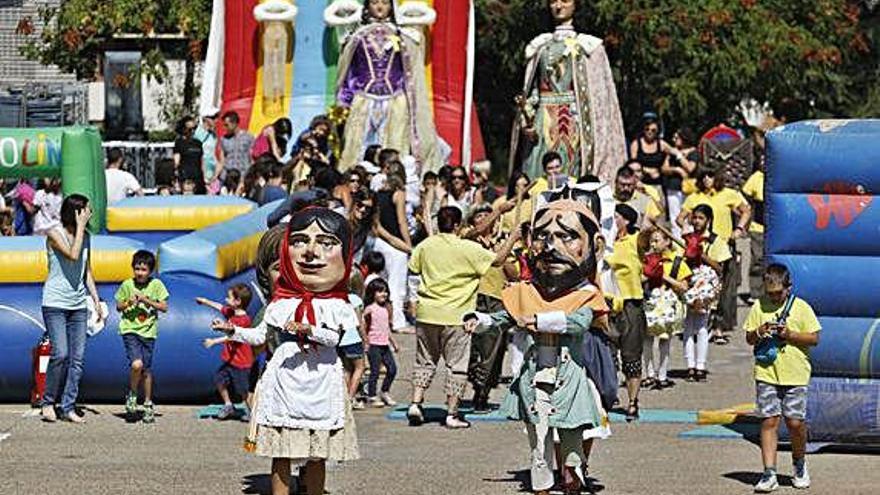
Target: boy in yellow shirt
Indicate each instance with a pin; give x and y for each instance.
(781, 382)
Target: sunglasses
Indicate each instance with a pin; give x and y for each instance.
(458, 177)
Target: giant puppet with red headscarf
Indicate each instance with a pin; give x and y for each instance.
(562, 385)
(301, 413)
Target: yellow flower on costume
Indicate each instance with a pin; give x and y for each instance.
(394, 40)
(571, 47)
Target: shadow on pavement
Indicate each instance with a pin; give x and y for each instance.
(261, 484)
(750, 478)
(522, 477)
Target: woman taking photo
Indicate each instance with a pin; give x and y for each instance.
(65, 312)
(393, 240)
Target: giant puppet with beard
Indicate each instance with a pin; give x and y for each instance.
(301, 411)
(560, 309)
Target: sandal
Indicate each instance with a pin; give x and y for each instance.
(701, 375)
(648, 382)
(692, 375)
(632, 412)
(571, 482)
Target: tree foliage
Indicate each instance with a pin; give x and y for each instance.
(76, 32)
(692, 61)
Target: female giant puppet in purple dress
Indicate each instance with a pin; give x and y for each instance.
(569, 103)
(382, 80)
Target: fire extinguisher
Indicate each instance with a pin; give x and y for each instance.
(41, 354)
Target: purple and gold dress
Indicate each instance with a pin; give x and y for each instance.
(382, 83)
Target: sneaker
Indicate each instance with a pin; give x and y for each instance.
(801, 477)
(227, 412)
(375, 401)
(456, 422)
(73, 417)
(131, 404)
(149, 413)
(415, 415)
(48, 414)
(358, 405)
(767, 483)
(386, 398)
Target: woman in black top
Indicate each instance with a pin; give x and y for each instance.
(393, 239)
(188, 156)
(650, 151)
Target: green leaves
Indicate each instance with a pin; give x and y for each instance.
(693, 60)
(75, 33)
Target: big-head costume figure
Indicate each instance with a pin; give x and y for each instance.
(569, 103)
(301, 412)
(557, 308)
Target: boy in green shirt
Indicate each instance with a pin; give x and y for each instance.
(139, 300)
(781, 382)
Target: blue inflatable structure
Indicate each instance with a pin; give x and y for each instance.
(193, 262)
(823, 223)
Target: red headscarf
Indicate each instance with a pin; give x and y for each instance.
(289, 286)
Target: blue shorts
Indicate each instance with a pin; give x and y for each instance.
(138, 348)
(351, 351)
(235, 378)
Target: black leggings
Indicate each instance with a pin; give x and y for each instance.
(379, 355)
(632, 327)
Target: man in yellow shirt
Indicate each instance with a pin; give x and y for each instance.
(449, 270)
(630, 323)
(781, 383)
(753, 190)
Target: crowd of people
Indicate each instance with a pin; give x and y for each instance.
(427, 249)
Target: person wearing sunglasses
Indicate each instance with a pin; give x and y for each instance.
(650, 151)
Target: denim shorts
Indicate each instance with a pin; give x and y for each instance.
(774, 400)
(352, 351)
(235, 378)
(138, 348)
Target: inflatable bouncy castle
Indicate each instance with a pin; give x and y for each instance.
(204, 245)
(269, 59)
(823, 223)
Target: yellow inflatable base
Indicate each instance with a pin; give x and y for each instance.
(171, 218)
(724, 416)
(32, 267)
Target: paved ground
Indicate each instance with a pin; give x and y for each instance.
(182, 455)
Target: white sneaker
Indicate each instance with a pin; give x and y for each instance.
(767, 483)
(376, 402)
(386, 398)
(415, 415)
(801, 480)
(357, 405)
(73, 417)
(48, 414)
(455, 423)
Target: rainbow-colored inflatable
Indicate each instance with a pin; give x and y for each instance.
(234, 69)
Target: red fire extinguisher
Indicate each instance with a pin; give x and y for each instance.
(41, 354)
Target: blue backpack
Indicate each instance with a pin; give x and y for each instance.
(767, 349)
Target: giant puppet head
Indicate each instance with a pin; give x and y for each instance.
(315, 256)
(563, 242)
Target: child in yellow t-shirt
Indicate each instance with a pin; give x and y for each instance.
(667, 278)
(781, 382)
(705, 252)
